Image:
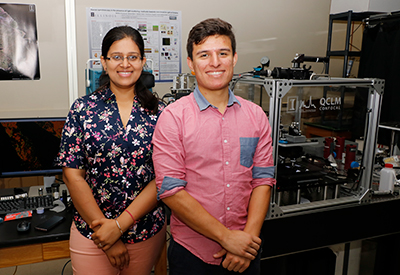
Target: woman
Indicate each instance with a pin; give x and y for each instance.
(106, 155)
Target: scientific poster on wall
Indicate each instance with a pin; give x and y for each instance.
(161, 31)
(19, 51)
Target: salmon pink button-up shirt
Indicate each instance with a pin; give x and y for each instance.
(217, 158)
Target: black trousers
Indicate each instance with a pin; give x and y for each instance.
(183, 262)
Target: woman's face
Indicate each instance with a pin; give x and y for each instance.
(123, 64)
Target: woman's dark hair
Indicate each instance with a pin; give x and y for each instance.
(146, 98)
(206, 28)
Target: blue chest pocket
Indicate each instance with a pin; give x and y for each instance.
(248, 147)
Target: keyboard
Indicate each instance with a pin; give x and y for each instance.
(12, 205)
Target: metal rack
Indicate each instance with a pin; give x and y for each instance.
(348, 17)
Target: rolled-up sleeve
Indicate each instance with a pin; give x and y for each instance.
(263, 169)
(168, 155)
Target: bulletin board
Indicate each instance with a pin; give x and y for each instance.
(161, 32)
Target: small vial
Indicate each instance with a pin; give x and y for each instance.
(55, 188)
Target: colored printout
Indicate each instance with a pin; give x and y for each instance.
(161, 31)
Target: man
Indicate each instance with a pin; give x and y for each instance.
(214, 165)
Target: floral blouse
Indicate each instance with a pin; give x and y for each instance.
(117, 159)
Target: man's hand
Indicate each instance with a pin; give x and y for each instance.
(118, 255)
(242, 244)
(106, 234)
(233, 262)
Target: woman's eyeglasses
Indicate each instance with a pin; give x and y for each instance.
(120, 58)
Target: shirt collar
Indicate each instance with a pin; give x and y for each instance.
(107, 94)
(204, 104)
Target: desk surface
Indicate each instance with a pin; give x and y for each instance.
(9, 236)
(282, 236)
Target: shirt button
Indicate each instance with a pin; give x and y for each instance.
(225, 141)
(223, 118)
(228, 208)
(228, 185)
(227, 162)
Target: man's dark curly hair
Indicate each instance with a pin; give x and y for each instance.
(206, 28)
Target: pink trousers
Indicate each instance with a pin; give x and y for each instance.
(87, 258)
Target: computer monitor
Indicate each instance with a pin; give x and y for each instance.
(28, 147)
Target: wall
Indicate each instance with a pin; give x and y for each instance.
(278, 29)
(20, 182)
(338, 6)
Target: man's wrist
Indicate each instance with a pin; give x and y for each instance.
(223, 237)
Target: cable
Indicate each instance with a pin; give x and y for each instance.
(62, 272)
(59, 180)
(351, 35)
(324, 67)
(358, 49)
(16, 269)
(359, 25)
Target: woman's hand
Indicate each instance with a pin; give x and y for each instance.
(107, 233)
(118, 255)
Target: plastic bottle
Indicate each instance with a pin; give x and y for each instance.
(388, 178)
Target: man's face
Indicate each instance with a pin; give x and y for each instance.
(213, 63)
